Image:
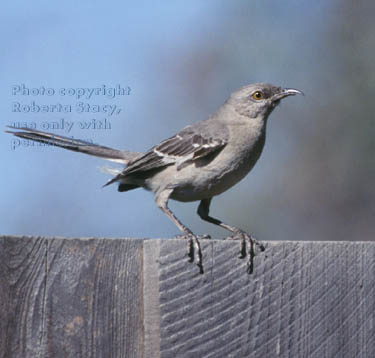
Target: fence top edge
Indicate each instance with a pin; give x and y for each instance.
(216, 241)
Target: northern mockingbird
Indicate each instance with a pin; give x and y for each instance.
(199, 162)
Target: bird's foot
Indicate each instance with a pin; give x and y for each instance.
(248, 244)
(194, 251)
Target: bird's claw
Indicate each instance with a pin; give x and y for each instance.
(194, 251)
(248, 244)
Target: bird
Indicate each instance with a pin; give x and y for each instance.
(198, 163)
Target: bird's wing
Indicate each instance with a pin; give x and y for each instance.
(192, 143)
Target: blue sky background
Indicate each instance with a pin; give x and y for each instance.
(315, 179)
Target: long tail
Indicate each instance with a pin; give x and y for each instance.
(76, 145)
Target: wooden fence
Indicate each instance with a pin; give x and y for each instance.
(113, 298)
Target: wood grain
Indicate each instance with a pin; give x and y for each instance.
(304, 299)
(74, 297)
(141, 298)
(4, 300)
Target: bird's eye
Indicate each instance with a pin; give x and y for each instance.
(258, 95)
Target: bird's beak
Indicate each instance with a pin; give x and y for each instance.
(285, 92)
(292, 92)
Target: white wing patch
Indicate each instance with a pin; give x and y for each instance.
(186, 148)
(192, 143)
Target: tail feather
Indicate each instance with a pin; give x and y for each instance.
(76, 145)
(113, 180)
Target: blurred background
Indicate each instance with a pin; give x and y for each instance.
(316, 177)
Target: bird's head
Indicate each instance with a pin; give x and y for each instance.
(259, 99)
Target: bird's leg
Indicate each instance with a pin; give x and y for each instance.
(194, 248)
(247, 241)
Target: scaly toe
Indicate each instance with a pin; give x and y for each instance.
(190, 250)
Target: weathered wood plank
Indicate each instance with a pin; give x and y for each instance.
(4, 301)
(303, 300)
(26, 270)
(135, 298)
(73, 297)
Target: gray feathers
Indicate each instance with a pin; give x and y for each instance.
(76, 145)
(191, 143)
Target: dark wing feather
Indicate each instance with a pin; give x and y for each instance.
(192, 143)
(186, 146)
